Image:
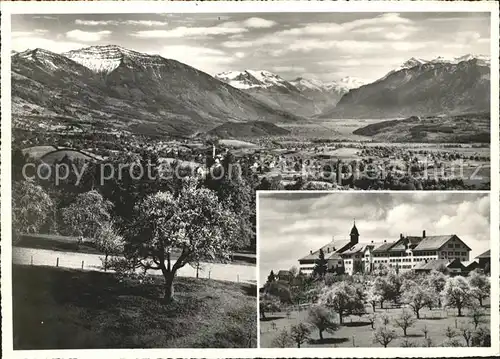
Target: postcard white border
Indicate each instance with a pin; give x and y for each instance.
(136, 7)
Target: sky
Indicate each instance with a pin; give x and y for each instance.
(322, 46)
(291, 224)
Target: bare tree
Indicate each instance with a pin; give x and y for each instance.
(383, 335)
(300, 333)
(282, 340)
(405, 320)
(467, 332)
(476, 313)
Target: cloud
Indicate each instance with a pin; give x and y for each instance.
(87, 35)
(148, 23)
(183, 31)
(257, 22)
(297, 69)
(205, 59)
(335, 28)
(33, 42)
(307, 223)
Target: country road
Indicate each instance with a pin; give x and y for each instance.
(44, 257)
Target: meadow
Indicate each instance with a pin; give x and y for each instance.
(56, 308)
(357, 332)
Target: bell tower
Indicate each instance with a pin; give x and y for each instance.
(354, 234)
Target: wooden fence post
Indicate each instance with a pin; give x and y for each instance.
(82, 264)
(57, 262)
(31, 260)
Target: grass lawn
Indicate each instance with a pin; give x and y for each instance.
(55, 308)
(357, 331)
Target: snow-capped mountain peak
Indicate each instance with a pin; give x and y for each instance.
(104, 59)
(251, 79)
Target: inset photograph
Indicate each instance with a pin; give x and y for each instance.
(374, 269)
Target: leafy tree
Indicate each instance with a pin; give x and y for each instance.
(394, 284)
(236, 195)
(436, 281)
(343, 298)
(300, 333)
(271, 277)
(476, 313)
(322, 318)
(416, 296)
(30, 208)
(268, 304)
(321, 266)
(108, 242)
(279, 290)
(87, 214)
(373, 295)
(480, 286)
(294, 271)
(283, 340)
(384, 335)
(405, 320)
(191, 226)
(457, 293)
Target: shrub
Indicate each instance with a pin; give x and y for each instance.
(282, 340)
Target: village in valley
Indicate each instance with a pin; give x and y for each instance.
(409, 291)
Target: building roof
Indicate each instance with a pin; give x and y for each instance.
(384, 247)
(357, 248)
(486, 254)
(467, 264)
(432, 243)
(329, 250)
(430, 265)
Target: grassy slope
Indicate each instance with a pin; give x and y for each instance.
(359, 328)
(67, 309)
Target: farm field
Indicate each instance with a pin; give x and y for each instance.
(97, 310)
(357, 331)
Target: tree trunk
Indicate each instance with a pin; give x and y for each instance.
(340, 318)
(480, 301)
(105, 262)
(459, 310)
(404, 332)
(321, 335)
(417, 313)
(169, 287)
(381, 304)
(298, 344)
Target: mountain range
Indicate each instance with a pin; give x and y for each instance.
(113, 87)
(420, 87)
(305, 97)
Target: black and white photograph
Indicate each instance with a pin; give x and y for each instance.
(301, 100)
(248, 175)
(374, 269)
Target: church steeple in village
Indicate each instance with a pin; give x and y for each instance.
(354, 234)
